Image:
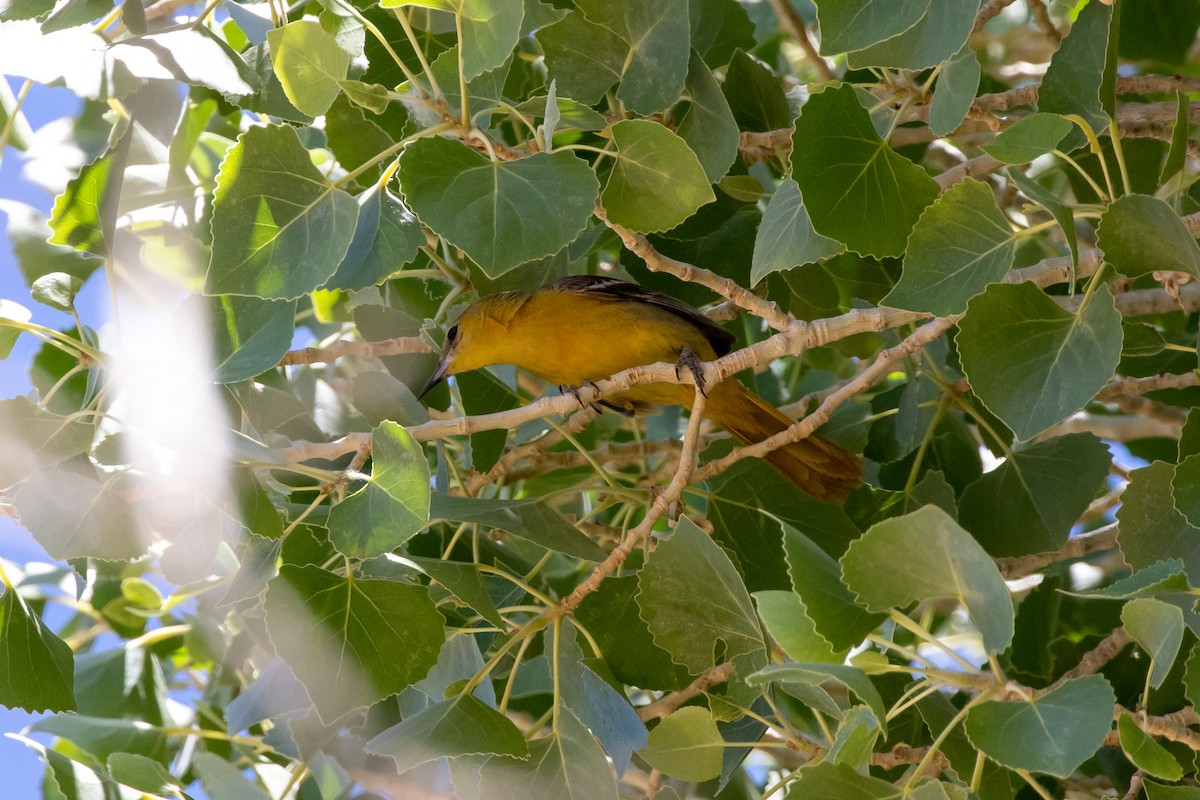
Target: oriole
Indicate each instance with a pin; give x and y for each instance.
(585, 328)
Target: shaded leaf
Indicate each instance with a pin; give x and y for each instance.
(786, 238)
(457, 727)
(960, 244)
(1032, 363)
(529, 519)
(1157, 627)
(657, 181)
(351, 642)
(695, 603)
(941, 560)
(857, 189)
(500, 213)
(1140, 234)
(393, 506)
(1054, 733)
(36, 667)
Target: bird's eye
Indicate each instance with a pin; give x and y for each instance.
(452, 334)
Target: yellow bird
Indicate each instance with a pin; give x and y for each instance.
(585, 328)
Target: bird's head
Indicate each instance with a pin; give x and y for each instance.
(475, 340)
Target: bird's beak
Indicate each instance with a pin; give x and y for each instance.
(439, 374)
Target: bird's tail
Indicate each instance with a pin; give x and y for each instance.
(816, 465)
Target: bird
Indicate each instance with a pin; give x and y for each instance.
(582, 328)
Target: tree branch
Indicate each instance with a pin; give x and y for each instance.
(1076, 547)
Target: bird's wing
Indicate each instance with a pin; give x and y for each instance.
(616, 289)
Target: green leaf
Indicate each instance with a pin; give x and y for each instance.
(35, 440)
(484, 393)
(719, 27)
(371, 96)
(102, 737)
(786, 238)
(856, 188)
(393, 506)
(1054, 733)
(960, 245)
(566, 765)
(1063, 214)
(465, 582)
(789, 624)
(1028, 138)
(1151, 528)
(583, 58)
(96, 523)
(529, 519)
(457, 727)
(1145, 753)
(1191, 678)
(1077, 73)
(754, 95)
(1162, 577)
(1029, 503)
(250, 335)
(309, 64)
(273, 694)
(941, 560)
(603, 709)
(36, 667)
(654, 35)
(936, 37)
(657, 181)
(142, 773)
(708, 127)
(611, 615)
(500, 213)
(57, 290)
(817, 578)
(686, 745)
(1140, 234)
(279, 227)
(694, 602)
(197, 57)
(1157, 627)
(351, 642)
(84, 215)
(641, 45)
(813, 675)
(1185, 487)
(1177, 156)
(1032, 363)
(854, 24)
(855, 738)
(1158, 30)
(827, 779)
(221, 778)
(955, 91)
(489, 29)
(387, 237)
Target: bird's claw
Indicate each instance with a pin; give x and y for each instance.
(689, 359)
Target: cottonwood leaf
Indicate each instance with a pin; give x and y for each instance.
(786, 238)
(1053, 733)
(1141, 234)
(1158, 628)
(960, 244)
(686, 745)
(529, 519)
(500, 213)
(351, 642)
(489, 30)
(1028, 138)
(657, 181)
(37, 669)
(857, 189)
(941, 560)
(695, 603)
(457, 727)
(854, 24)
(393, 506)
(279, 227)
(936, 37)
(1032, 363)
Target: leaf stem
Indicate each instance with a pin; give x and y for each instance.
(904, 621)
(11, 123)
(388, 153)
(416, 46)
(1114, 136)
(1091, 182)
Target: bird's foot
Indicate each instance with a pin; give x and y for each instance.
(689, 359)
(573, 390)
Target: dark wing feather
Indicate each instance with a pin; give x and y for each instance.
(720, 339)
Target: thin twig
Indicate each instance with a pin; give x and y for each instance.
(794, 24)
(666, 704)
(1076, 547)
(385, 347)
